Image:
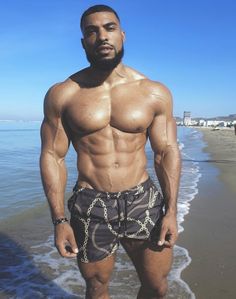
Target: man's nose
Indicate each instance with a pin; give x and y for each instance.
(102, 35)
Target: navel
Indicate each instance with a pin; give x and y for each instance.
(116, 164)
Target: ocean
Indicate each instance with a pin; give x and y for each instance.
(30, 264)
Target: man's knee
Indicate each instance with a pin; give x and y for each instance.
(97, 287)
(97, 276)
(155, 290)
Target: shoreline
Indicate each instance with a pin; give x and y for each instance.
(222, 147)
(209, 227)
(208, 275)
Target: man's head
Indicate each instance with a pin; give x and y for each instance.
(102, 37)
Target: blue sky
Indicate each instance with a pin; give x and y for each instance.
(190, 46)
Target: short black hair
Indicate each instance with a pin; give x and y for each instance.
(97, 8)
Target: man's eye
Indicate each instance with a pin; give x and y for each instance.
(111, 28)
(90, 32)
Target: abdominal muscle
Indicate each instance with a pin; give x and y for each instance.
(111, 160)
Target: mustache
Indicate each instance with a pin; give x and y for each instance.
(99, 44)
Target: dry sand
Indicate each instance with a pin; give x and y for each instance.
(210, 227)
(222, 147)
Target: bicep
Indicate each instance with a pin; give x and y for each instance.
(53, 135)
(162, 133)
(54, 138)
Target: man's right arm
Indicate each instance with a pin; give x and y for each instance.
(55, 144)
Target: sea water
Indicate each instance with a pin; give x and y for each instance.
(35, 270)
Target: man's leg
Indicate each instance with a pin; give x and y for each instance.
(152, 266)
(97, 276)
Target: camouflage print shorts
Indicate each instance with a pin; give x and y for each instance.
(99, 219)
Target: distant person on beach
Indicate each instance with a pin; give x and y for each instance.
(108, 111)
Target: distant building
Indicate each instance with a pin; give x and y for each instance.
(187, 118)
(219, 121)
(214, 123)
(202, 123)
(194, 122)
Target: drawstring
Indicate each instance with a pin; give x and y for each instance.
(126, 213)
(124, 198)
(119, 222)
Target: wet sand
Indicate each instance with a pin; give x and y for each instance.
(209, 229)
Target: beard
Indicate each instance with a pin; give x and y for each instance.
(105, 64)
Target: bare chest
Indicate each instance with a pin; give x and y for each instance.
(93, 109)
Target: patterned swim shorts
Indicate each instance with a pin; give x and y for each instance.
(99, 219)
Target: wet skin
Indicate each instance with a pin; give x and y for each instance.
(108, 116)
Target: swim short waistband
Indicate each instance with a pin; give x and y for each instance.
(109, 195)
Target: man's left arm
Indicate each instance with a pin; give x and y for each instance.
(163, 138)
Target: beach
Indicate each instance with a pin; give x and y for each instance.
(209, 228)
(30, 264)
(204, 260)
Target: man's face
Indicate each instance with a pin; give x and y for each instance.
(103, 40)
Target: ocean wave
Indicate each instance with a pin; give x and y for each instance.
(45, 274)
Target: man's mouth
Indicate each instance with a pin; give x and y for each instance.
(104, 49)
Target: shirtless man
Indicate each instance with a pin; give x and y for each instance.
(108, 111)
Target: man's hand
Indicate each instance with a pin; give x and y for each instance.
(65, 240)
(169, 231)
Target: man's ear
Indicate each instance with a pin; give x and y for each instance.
(123, 35)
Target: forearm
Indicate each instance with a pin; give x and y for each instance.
(168, 167)
(54, 177)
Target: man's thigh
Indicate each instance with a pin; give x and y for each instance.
(100, 270)
(152, 263)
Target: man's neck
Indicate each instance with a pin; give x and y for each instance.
(111, 78)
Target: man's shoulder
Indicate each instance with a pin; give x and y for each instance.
(151, 86)
(61, 88)
(157, 95)
(61, 92)
(156, 88)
